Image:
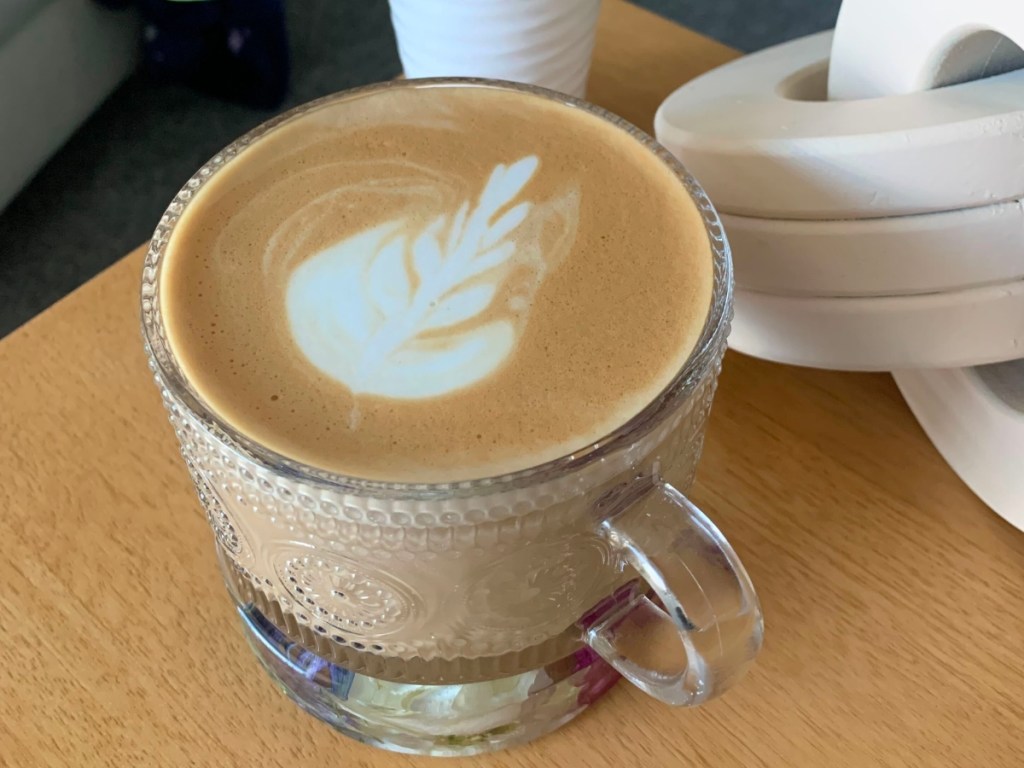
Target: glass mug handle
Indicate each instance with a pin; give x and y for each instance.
(709, 625)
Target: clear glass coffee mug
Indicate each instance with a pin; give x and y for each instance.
(460, 618)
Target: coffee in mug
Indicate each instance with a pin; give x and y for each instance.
(439, 355)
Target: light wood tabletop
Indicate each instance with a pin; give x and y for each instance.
(894, 599)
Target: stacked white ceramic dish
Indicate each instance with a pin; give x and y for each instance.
(975, 417)
(876, 218)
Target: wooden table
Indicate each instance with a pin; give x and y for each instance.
(894, 599)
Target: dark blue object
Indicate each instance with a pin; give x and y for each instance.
(235, 49)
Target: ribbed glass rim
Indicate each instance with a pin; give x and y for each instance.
(701, 361)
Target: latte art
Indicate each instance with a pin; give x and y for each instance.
(435, 283)
(401, 313)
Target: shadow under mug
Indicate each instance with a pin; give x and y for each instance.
(458, 618)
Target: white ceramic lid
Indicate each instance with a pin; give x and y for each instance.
(955, 329)
(752, 132)
(900, 255)
(975, 418)
(889, 47)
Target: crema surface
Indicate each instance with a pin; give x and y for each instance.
(431, 284)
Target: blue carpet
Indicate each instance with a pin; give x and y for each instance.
(103, 192)
(749, 25)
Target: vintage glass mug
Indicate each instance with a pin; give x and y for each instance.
(459, 618)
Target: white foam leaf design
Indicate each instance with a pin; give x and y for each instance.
(390, 311)
(389, 279)
(491, 259)
(461, 305)
(426, 252)
(508, 221)
(458, 226)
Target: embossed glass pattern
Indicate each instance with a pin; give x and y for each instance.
(489, 590)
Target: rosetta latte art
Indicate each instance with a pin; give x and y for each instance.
(410, 312)
(434, 283)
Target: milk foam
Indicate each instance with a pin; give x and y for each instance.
(432, 284)
(399, 312)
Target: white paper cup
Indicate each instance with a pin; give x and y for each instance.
(542, 42)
